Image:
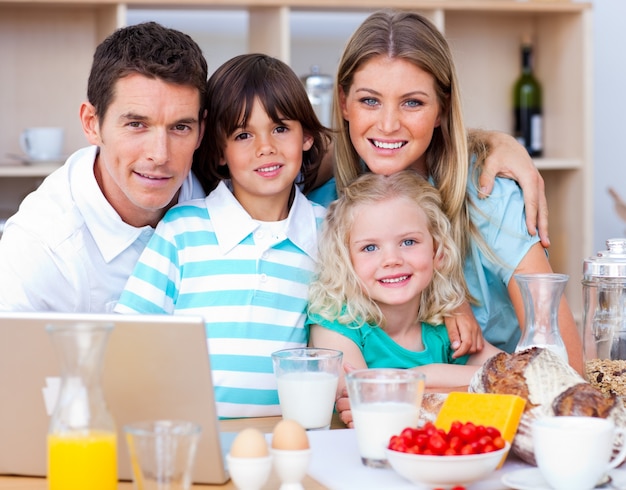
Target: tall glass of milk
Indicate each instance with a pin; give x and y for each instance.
(307, 380)
(383, 403)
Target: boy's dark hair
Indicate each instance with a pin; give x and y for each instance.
(148, 49)
(231, 92)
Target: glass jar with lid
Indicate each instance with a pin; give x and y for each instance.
(604, 318)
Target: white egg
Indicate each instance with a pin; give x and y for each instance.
(289, 435)
(249, 443)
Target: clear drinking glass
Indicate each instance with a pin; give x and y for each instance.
(307, 381)
(162, 453)
(383, 403)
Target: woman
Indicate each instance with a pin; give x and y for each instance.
(398, 107)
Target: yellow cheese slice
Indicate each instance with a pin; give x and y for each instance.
(500, 411)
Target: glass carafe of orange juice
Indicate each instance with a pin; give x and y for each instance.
(82, 448)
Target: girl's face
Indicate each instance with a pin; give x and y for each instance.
(264, 158)
(392, 111)
(392, 251)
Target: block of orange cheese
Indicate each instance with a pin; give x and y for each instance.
(501, 411)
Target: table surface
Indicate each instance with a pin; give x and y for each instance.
(332, 458)
(265, 425)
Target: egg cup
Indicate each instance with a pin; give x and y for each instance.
(291, 467)
(249, 473)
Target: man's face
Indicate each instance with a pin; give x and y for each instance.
(147, 139)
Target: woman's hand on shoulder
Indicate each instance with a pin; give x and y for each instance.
(507, 158)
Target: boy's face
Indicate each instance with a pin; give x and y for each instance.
(264, 160)
(147, 140)
(392, 252)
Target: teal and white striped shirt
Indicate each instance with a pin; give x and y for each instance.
(209, 257)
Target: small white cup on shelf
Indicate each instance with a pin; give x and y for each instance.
(42, 143)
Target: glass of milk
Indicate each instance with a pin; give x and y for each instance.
(307, 380)
(383, 403)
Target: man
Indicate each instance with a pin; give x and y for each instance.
(75, 240)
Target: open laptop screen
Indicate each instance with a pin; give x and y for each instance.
(156, 367)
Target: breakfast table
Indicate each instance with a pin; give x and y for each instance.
(335, 464)
(265, 425)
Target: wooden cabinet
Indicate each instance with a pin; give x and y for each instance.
(46, 49)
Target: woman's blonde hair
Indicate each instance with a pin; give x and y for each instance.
(411, 37)
(337, 292)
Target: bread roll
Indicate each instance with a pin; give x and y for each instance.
(550, 387)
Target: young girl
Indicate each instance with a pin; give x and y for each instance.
(389, 273)
(398, 107)
(244, 256)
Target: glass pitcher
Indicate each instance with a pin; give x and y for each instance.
(82, 442)
(541, 294)
(604, 317)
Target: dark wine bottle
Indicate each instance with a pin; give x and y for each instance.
(527, 105)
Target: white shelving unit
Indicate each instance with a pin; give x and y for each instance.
(46, 49)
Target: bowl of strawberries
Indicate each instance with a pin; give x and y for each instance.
(433, 457)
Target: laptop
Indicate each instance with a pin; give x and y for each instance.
(155, 367)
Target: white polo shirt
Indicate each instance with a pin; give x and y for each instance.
(67, 249)
(248, 279)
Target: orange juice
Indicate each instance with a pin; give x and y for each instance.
(82, 461)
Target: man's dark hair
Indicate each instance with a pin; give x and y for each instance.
(147, 49)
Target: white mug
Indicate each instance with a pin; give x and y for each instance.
(43, 143)
(574, 453)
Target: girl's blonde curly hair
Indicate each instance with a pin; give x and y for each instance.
(337, 292)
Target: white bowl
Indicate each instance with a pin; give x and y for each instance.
(445, 471)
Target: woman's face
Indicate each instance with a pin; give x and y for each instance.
(392, 111)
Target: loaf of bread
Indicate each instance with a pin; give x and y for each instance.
(584, 400)
(431, 404)
(550, 387)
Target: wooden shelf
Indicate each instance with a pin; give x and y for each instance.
(30, 170)
(558, 163)
(540, 6)
(46, 48)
